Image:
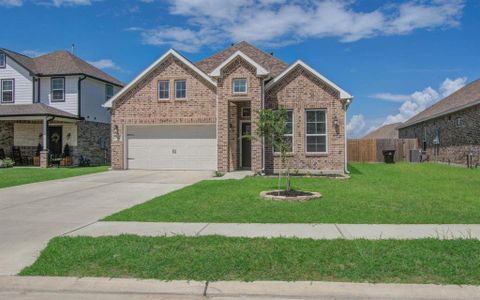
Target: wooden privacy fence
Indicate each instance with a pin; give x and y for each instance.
(370, 150)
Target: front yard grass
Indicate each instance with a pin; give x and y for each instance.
(376, 193)
(18, 176)
(221, 258)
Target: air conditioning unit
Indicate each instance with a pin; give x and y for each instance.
(415, 156)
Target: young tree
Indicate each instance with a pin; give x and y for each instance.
(271, 127)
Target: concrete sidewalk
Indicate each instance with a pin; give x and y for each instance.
(69, 288)
(313, 231)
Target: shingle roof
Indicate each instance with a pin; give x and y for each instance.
(389, 131)
(60, 63)
(463, 98)
(35, 109)
(266, 60)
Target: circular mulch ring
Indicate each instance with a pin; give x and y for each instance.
(295, 196)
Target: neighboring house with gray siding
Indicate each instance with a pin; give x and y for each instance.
(53, 100)
(179, 115)
(449, 131)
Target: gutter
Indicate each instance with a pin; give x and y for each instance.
(346, 104)
(79, 111)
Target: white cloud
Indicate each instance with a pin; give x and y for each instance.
(279, 22)
(420, 100)
(356, 125)
(33, 53)
(105, 64)
(11, 3)
(71, 2)
(391, 97)
(450, 86)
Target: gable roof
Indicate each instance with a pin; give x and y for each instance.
(389, 131)
(465, 97)
(151, 67)
(343, 93)
(272, 64)
(59, 63)
(261, 71)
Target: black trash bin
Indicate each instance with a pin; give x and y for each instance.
(389, 156)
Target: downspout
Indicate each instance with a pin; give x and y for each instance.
(263, 139)
(80, 79)
(345, 105)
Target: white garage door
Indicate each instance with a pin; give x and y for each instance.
(177, 147)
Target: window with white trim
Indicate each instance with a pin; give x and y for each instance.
(316, 131)
(3, 60)
(7, 87)
(58, 89)
(240, 86)
(180, 89)
(163, 89)
(108, 91)
(288, 135)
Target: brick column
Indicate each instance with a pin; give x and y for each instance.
(44, 159)
(222, 139)
(256, 106)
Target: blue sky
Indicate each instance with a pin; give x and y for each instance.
(395, 57)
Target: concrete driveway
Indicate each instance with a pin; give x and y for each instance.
(30, 215)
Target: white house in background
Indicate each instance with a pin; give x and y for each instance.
(53, 100)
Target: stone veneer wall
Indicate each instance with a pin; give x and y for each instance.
(6, 136)
(457, 141)
(300, 91)
(141, 105)
(89, 138)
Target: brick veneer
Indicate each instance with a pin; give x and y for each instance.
(141, 105)
(457, 141)
(300, 91)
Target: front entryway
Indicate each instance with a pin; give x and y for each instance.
(55, 140)
(245, 145)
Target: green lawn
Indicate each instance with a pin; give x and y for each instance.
(221, 258)
(17, 176)
(376, 193)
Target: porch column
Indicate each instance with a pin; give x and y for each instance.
(44, 152)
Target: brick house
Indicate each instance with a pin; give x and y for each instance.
(177, 115)
(449, 131)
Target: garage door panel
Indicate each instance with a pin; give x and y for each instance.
(172, 147)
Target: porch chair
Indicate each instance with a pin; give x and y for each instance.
(17, 156)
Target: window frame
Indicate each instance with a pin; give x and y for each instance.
(241, 92)
(175, 86)
(289, 134)
(3, 60)
(249, 109)
(106, 91)
(13, 90)
(316, 134)
(51, 89)
(168, 89)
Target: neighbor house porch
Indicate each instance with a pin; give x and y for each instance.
(37, 135)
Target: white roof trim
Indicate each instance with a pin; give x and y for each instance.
(343, 93)
(151, 67)
(261, 71)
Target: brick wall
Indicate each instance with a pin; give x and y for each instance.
(458, 132)
(227, 110)
(142, 106)
(299, 91)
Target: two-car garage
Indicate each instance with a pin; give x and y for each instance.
(171, 147)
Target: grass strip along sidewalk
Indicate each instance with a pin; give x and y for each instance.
(220, 258)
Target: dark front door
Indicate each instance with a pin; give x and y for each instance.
(246, 146)
(55, 140)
